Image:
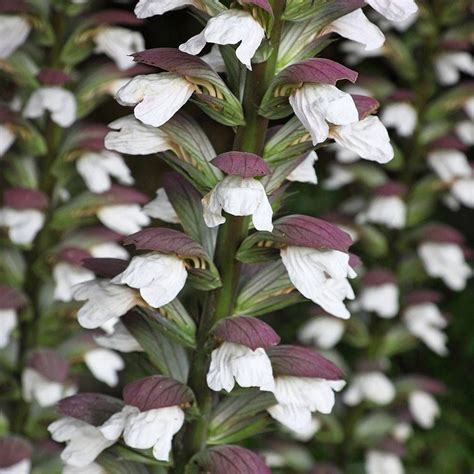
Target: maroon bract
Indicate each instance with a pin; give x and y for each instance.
(378, 277)
(246, 165)
(391, 188)
(448, 142)
(116, 17)
(442, 233)
(49, 364)
(423, 296)
(24, 198)
(365, 105)
(11, 298)
(263, 4)
(118, 194)
(13, 450)
(73, 255)
(53, 77)
(105, 267)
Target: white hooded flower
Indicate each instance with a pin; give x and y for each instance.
(66, 276)
(161, 208)
(378, 462)
(125, 219)
(8, 322)
(104, 301)
(322, 331)
(133, 137)
(321, 276)
(97, 169)
(240, 197)
(381, 299)
(148, 8)
(119, 339)
(389, 211)
(232, 363)
(402, 116)
(23, 224)
(298, 397)
(13, 33)
(356, 26)
(318, 105)
(446, 261)
(21, 467)
(229, 27)
(464, 130)
(304, 172)
(156, 97)
(424, 408)
(372, 386)
(425, 321)
(44, 391)
(394, 10)
(118, 44)
(104, 365)
(109, 250)
(158, 276)
(7, 138)
(339, 176)
(449, 66)
(59, 102)
(84, 442)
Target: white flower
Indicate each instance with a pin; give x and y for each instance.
(21, 467)
(44, 391)
(317, 105)
(13, 31)
(385, 210)
(338, 177)
(23, 224)
(446, 261)
(357, 27)
(229, 27)
(239, 197)
(118, 44)
(464, 130)
(161, 208)
(304, 172)
(125, 219)
(424, 408)
(109, 250)
(7, 137)
(84, 442)
(97, 169)
(158, 276)
(104, 301)
(402, 431)
(394, 10)
(119, 339)
(449, 66)
(378, 462)
(66, 276)
(321, 276)
(232, 363)
(214, 59)
(298, 397)
(135, 138)
(157, 97)
(8, 322)
(147, 8)
(307, 433)
(104, 365)
(401, 116)
(322, 331)
(92, 468)
(371, 386)
(426, 322)
(381, 299)
(60, 102)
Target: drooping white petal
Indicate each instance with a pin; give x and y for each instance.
(119, 340)
(92, 468)
(23, 224)
(449, 164)
(154, 429)
(229, 27)
(21, 467)
(357, 27)
(148, 8)
(158, 276)
(161, 208)
(394, 10)
(322, 331)
(156, 97)
(232, 363)
(66, 276)
(8, 322)
(385, 210)
(14, 30)
(317, 104)
(109, 250)
(321, 276)
(113, 427)
(368, 138)
(371, 386)
(401, 116)
(378, 462)
(424, 408)
(446, 261)
(305, 172)
(449, 65)
(239, 197)
(7, 138)
(339, 176)
(381, 299)
(463, 191)
(97, 169)
(125, 219)
(104, 365)
(59, 102)
(118, 44)
(464, 130)
(214, 59)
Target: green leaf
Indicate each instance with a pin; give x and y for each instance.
(421, 201)
(395, 341)
(373, 240)
(136, 456)
(119, 464)
(321, 12)
(373, 427)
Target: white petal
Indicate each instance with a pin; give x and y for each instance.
(449, 66)
(109, 250)
(424, 408)
(157, 97)
(104, 365)
(371, 386)
(13, 31)
(112, 428)
(386, 210)
(125, 219)
(148, 8)
(38, 388)
(382, 300)
(322, 331)
(339, 177)
(66, 276)
(394, 10)
(463, 191)
(21, 467)
(161, 208)
(159, 277)
(464, 130)
(119, 339)
(214, 59)
(23, 224)
(7, 138)
(402, 116)
(304, 172)
(92, 468)
(378, 462)
(8, 322)
(296, 418)
(449, 164)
